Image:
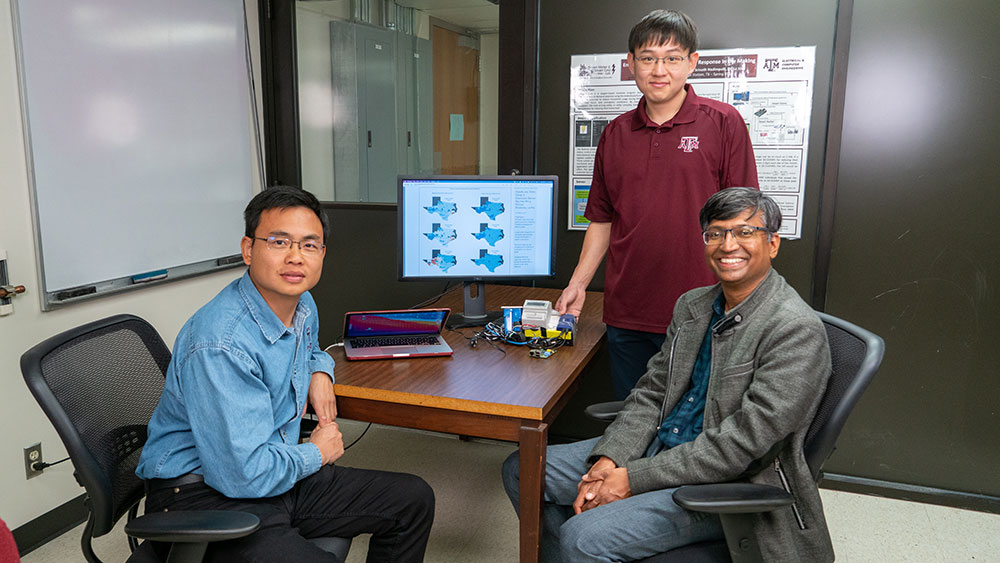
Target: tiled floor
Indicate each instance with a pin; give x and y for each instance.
(475, 523)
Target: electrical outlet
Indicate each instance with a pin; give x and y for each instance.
(32, 454)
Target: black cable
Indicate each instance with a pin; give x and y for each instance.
(359, 437)
(538, 342)
(474, 339)
(434, 299)
(495, 331)
(40, 465)
(495, 347)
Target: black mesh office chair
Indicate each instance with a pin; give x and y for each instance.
(856, 354)
(99, 384)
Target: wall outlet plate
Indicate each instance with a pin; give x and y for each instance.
(32, 454)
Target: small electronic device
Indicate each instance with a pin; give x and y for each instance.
(559, 327)
(566, 322)
(542, 353)
(536, 312)
(376, 335)
(511, 318)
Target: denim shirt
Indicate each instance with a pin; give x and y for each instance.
(234, 395)
(684, 423)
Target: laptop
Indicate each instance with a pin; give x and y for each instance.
(408, 333)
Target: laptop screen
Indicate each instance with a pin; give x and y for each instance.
(390, 323)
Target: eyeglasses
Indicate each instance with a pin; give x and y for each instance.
(715, 237)
(669, 60)
(284, 244)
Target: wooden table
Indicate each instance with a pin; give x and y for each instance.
(479, 392)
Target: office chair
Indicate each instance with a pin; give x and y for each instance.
(856, 355)
(98, 384)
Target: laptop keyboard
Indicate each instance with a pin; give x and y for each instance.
(378, 341)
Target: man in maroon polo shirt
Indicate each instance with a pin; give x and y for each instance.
(655, 166)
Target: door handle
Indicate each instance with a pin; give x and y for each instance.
(369, 138)
(7, 290)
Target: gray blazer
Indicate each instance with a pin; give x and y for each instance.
(770, 365)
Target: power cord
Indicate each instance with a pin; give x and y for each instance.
(40, 465)
(475, 338)
(356, 440)
(365, 431)
(495, 332)
(434, 299)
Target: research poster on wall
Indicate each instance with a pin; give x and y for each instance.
(771, 87)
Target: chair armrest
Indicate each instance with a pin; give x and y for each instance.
(732, 498)
(604, 411)
(193, 526)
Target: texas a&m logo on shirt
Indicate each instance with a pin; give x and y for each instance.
(688, 144)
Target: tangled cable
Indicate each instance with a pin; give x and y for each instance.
(496, 332)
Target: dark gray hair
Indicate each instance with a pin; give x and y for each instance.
(730, 202)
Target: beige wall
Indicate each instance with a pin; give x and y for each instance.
(166, 307)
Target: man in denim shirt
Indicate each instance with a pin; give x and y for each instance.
(225, 434)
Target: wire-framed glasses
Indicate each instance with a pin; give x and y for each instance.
(743, 233)
(648, 61)
(309, 247)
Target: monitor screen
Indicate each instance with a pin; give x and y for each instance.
(476, 228)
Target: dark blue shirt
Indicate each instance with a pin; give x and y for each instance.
(684, 422)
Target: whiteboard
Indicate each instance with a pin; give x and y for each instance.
(140, 136)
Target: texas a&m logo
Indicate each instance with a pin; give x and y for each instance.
(688, 144)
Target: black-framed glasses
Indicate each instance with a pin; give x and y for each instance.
(744, 233)
(670, 60)
(309, 247)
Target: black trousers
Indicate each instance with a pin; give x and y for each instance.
(630, 351)
(396, 508)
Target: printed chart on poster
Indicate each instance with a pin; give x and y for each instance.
(771, 87)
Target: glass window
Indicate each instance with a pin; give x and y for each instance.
(388, 88)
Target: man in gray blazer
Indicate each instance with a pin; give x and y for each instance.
(741, 372)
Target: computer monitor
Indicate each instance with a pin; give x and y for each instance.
(476, 229)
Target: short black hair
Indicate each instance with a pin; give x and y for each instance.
(282, 197)
(659, 27)
(730, 202)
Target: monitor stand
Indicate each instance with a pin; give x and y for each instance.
(475, 313)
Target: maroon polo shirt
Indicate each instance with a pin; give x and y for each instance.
(650, 182)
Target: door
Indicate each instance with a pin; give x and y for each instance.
(456, 103)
